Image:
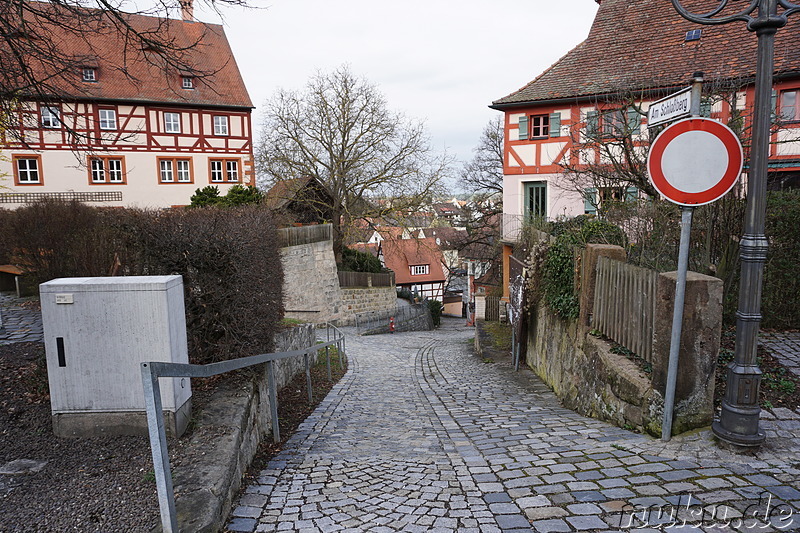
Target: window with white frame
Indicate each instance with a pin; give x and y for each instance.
(183, 171)
(89, 74)
(106, 170)
(27, 170)
(107, 119)
(220, 125)
(540, 126)
(51, 117)
(187, 82)
(790, 105)
(420, 270)
(224, 170)
(174, 170)
(172, 122)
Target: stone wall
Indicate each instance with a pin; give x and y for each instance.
(311, 284)
(363, 299)
(588, 378)
(225, 437)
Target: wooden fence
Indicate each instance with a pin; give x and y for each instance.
(625, 305)
(295, 236)
(366, 279)
(493, 308)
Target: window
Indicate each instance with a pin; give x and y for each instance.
(540, 126)
(89, 74)
(536, 199)
(108, 119)
(693, 35)
(617, 123)
(175, 170)
(27, 170)
(419, 270)
(51, 117)
(187, 82)
(106, 170)
(790, 105)
(172, 122)
(220, 125)
(224, 170)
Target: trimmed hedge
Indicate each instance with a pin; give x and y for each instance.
(781, 290)
(229, 259)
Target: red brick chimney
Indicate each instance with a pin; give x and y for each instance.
(187, 9)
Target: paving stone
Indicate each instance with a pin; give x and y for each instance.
(582, 523)
(552, 525)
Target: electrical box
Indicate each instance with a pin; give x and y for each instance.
(97, 332)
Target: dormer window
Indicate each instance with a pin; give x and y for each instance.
(89, 74)
(187, 82)
(420, 270)
(693, 35)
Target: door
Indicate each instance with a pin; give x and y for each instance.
(536, 200)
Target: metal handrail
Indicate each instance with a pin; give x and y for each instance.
(153, 370)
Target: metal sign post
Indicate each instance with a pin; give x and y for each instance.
(692, 162)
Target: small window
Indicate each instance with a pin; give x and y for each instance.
(106, 170)
(187, 82)
(173, 170)
(540, 126)
(224, 170)
(790, 105)
(27, 170)
(172, 122)
(693, 35)
(108, 119)
(51, 117)
(89, 74)
(419, 270)
(220, 125)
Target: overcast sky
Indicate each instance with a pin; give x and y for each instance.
(439, 61)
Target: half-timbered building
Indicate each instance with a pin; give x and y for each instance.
(124, 128)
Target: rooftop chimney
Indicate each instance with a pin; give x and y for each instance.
(187, 9)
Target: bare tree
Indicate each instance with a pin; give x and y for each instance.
(375, 163)
(44, 44)
(484, 173)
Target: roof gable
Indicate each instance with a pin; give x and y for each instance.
(640, 44)
(400, 254)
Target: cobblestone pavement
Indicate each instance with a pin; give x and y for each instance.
(18, 324)
(421, 435)
(784, 346)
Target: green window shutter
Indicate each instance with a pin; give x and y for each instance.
(634, 121)
(523, 128)
(592, 123)
(631, 194)
(705, 108)
(589, 207)
(555, 124)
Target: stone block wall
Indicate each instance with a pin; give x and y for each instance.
(311, 284)
(363, 299)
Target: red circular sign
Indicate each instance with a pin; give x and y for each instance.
(695, 161)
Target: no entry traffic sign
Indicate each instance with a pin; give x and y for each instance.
(695, 161)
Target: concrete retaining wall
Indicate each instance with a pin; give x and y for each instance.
(235, 420)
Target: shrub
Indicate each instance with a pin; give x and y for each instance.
(436, 307)
(236, 196)
(781, 282)
(229, 260)
(357, 261)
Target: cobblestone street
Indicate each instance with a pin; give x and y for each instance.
(422, 435)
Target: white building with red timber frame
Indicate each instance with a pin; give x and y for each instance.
(131, 131)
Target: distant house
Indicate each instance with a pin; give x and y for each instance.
(301, 200)
(127, 130)
(417, 266)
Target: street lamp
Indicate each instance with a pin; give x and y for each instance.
(738, 422)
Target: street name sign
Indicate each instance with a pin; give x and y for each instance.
(673, 107)
(695, 161)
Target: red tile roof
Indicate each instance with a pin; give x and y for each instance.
(127, 72)
(401, 254)
(640, 44)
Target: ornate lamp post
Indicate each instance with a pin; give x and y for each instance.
(738, 423)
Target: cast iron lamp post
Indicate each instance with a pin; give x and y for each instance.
(738, 422)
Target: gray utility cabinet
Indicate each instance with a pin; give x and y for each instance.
(97, 332)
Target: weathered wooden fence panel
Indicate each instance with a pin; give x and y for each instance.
(624, 305)
(366, 279)
(295, 236)
(493, 308)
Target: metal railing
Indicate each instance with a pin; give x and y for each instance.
(29, 197)
(298, 235)
(153, 370)
(366, 279)
(378, 321)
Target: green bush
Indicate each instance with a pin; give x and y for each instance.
(229, 260)
(436, 307)
(236, 196)
(781, 283)
(357, 261)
